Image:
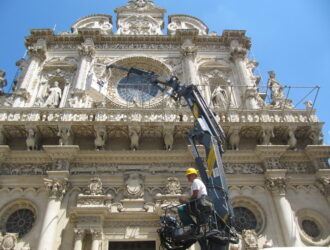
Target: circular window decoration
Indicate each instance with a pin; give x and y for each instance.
(244, 219)
(136, 89)
(18, 217)
(311, 228)
(314, 228)
(248, 215)
(21, 222)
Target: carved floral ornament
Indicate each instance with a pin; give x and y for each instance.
(173, 186)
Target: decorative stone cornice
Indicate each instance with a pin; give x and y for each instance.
(270, 155)
(56, 188)
(239, 35)
(56, 152)
(317, 151)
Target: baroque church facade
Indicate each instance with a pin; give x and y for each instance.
(89, 156)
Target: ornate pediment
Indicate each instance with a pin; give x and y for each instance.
(140, 17)
(100, 22)
(176, 22)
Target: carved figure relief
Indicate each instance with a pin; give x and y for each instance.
(95, 186)
(54, 96)
(8, 242)
(139, 25)
(250, 239)
(134, 186)
(173, 186)
(219, 97)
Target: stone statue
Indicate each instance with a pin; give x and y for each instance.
(134, 134)
(234, 138)
(309, 105)
(100, 138)
(32, 140)
(219, 97)
(168, 137)
(54, 96)
(66, 138)
(292, 141)
(265, 136)
(275, 87)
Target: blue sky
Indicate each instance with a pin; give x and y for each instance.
(291, 37)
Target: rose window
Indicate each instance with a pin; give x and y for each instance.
(21, 222)
(244, 219)
(136, 89)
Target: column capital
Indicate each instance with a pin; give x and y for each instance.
(237, 51)
(79, 233)
(96, 234)
(56, 188)
(276, 181)
(323, 184)
(86, 49)
(189, 51)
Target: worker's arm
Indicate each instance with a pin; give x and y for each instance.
(194, 194)
(192, 197)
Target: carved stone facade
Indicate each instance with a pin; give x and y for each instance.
(94, 156)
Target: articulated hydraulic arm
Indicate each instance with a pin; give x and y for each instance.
(208, 133)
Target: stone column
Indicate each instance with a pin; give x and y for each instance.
(249, 94)
(96, 238)
(189, 52)
(86, 51)
(79, 237)
(37, 55)
(276, 183)
(56, 187)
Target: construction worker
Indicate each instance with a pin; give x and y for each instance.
(197, 190)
